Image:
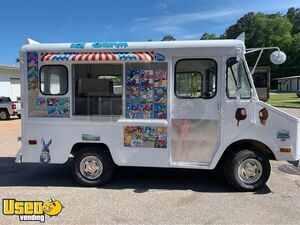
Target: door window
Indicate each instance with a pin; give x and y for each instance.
(195, 78)
(233, 74)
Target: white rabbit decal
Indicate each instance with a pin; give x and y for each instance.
(45, 155)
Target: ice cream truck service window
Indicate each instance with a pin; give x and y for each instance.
(98, 89)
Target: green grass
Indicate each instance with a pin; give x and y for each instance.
(284, 100)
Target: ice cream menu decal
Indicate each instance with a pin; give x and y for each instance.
(146, 98)
(145, 136)
(146, 94)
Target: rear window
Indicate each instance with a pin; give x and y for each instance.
(3, 100)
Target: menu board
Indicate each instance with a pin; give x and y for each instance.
(146, 94)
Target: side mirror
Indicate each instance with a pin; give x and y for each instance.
(278, 57)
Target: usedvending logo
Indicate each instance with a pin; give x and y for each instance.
(31, 210)
(283, 135)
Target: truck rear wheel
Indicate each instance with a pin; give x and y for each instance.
(247, 169)
(92, 166)
(4, 115)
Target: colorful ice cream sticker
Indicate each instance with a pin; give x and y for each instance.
(145, 136)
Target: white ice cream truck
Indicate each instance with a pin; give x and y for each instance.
(179, 104)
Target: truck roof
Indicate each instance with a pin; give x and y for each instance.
(124, 46)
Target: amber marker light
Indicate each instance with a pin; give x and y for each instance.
(286, 149)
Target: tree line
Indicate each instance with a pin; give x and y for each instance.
(264, 30)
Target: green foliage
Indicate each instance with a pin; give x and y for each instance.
(208, 36)
(296, 42)
(168, 38)
(264, 30)
(293, 16)
(284, 100)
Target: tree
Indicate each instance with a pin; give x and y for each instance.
(293, 16)
(208, 36)
(168, 38)
(263, 30)
(244, 24)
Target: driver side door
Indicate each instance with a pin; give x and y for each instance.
(195, 113)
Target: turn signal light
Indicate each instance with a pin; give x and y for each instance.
(32, 142)
(286, 149)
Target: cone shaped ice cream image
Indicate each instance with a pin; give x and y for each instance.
(240, 114)
(263, 116)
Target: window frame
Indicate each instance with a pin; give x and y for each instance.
(216, 82)
(235, 81)
(40, 83)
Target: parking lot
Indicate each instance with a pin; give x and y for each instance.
(145, 195)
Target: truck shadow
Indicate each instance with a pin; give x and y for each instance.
(139, 179)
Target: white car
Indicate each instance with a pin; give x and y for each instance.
(9, 108)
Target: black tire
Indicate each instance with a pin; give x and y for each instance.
(233, 162)
(19, 116)
(4, 114)
(105, 159)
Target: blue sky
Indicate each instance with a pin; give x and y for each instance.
(136, 20)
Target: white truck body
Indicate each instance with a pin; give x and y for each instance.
(187, 130)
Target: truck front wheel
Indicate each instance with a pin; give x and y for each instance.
(92, 166)
(4, 115)
(247, 169)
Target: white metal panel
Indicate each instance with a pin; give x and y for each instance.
(153, 45)
(5, 84)
(15, 89)
(5, 88)
(294, 85)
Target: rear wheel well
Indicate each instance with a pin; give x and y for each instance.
(244, 143)
(100, 146)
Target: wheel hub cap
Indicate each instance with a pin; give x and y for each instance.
(2, 115)
(91, 167)
(250, 171)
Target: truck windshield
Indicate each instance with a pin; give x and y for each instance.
(232, 77)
